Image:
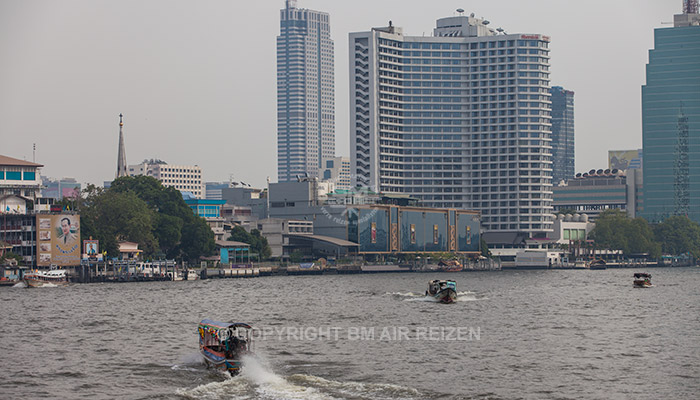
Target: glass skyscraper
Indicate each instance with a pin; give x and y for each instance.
(459, 119)
(305, 93)
(671, 122)
(563, 157)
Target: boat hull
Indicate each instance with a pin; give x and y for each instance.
(35, 283)
(216, 360)
(446, 296)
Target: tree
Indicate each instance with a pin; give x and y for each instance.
(258, 243)
(179, 231)
(678, 235)
(485, 248)
(614, 230)
(10, 256)
(111, 217)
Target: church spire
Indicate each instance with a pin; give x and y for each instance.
(121, 155)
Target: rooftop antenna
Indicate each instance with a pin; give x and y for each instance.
(460, 11)
(33, 152)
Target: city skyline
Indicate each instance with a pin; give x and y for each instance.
(192, 91)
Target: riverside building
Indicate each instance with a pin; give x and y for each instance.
(460, 119)
(305, 93)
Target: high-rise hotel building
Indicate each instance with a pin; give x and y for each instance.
(305, 92)
(563, 154)
(671, 120)
(458, 119)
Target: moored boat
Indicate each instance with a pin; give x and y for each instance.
(442, 291)
(597, 264)
(642, 280)
(223, 344)
(450, 266)
(39, 278)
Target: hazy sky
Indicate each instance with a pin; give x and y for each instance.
(196, 80)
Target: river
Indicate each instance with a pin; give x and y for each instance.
(512, 335)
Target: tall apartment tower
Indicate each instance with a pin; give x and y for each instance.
(305, 93)
(671, 120)
(563, 157)
(459, 119)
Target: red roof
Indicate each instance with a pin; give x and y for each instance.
(4, 160)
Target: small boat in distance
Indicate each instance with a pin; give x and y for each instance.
(597, 264)
(223, 344)
(39, 278)
(642, 280)
(442, 291)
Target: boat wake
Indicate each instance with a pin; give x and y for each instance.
(20, 285)
(410, 296)
(258, 381)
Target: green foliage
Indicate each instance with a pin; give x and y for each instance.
(296, 257)
(10, 256)
(678, 235)
(140, 209)
(616, 231)
(112, 217)
(485, 248)
(258, 243)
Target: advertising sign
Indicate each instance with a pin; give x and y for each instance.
(58, 240)
(621, 159)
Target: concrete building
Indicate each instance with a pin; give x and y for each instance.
(563, 154)
(18, 231)
(185, 178)
(20, 178)
(460, 119)
(337, 171)
(60, 188)
(375, 224)
(305, 93)
(212, 190)
(671, 120)
(596, 191)
(256, 200)
(238, 215)
(278, 231)
(210, 210)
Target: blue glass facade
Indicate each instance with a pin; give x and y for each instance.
(563, 157)
(671, 125)
(206, 208)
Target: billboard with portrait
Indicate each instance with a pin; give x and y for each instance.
(58, 240)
